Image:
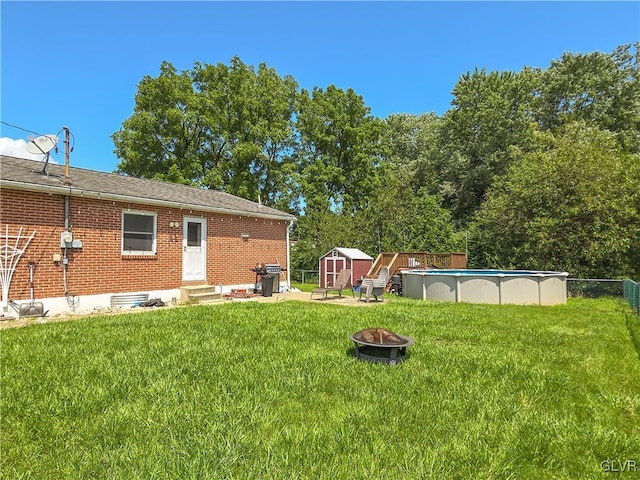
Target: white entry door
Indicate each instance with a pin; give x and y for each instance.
(194, 248)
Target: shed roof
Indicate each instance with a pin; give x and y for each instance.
(26, 175)
(351, 253)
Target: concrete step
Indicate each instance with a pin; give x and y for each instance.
(199, 293)
(204, 297)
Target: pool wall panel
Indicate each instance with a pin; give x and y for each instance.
(553, 291)
(476, 289)
(520, 290)
(443, 288)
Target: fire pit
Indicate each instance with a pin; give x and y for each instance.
(380, 345)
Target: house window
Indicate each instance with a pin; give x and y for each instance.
(194, 234)
(138, 233)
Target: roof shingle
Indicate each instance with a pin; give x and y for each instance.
(26, 174)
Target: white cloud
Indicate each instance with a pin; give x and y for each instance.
(18, 148)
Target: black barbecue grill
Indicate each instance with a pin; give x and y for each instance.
(267, 278)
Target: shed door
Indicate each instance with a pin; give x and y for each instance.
(332, 266)
(194, 249)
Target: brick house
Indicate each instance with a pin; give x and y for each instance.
(127, 235)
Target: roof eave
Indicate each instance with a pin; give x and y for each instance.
(77, 192)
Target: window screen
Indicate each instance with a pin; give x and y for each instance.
(138, 233)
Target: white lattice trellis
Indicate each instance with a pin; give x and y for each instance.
(10, 252)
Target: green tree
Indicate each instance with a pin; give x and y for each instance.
(163, 138)
(397, 218)
(218, 126)
(573, 205)
(411, 145)
(318, 232)
(251, 122)
(338, 150)
(598, 88)
(491, 116)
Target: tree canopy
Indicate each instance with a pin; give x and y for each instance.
(215, 126)
(532, 164)
(571, 205)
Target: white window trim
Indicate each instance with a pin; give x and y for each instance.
(155, 233)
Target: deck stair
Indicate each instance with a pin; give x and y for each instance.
(199, 294)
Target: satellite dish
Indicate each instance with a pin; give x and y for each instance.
(42, 145)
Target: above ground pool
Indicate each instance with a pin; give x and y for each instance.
(521, 287)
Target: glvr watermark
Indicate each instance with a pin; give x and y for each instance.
(610, 465)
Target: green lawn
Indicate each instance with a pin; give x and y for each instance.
(253, 390)
(304, 287)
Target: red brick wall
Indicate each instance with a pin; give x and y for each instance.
(99, 266)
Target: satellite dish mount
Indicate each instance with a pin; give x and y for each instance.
(43, 145)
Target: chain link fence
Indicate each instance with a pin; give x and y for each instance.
(603, 287)
(305, 276)
(632, 294)
(594, 287)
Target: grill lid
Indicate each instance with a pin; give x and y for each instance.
(268, 268)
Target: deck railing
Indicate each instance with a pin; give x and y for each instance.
(398, 261)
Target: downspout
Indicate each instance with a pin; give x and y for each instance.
(67, 182)
(72, 299)
(65, 259)
(66, 213)
(289, 256)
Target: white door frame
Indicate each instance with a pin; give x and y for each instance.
(194, 257)
(335, 272)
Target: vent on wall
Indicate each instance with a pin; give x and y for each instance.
(127, 300)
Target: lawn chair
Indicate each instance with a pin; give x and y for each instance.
(375, 286)
(342, 280)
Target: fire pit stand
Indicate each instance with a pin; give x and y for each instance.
(390, 350)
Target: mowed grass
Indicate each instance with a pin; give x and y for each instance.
(251, 390)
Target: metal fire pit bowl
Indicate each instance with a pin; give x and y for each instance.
(380, 345)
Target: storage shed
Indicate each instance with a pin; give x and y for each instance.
(338, 258)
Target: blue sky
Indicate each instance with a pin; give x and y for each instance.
(77, 64)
